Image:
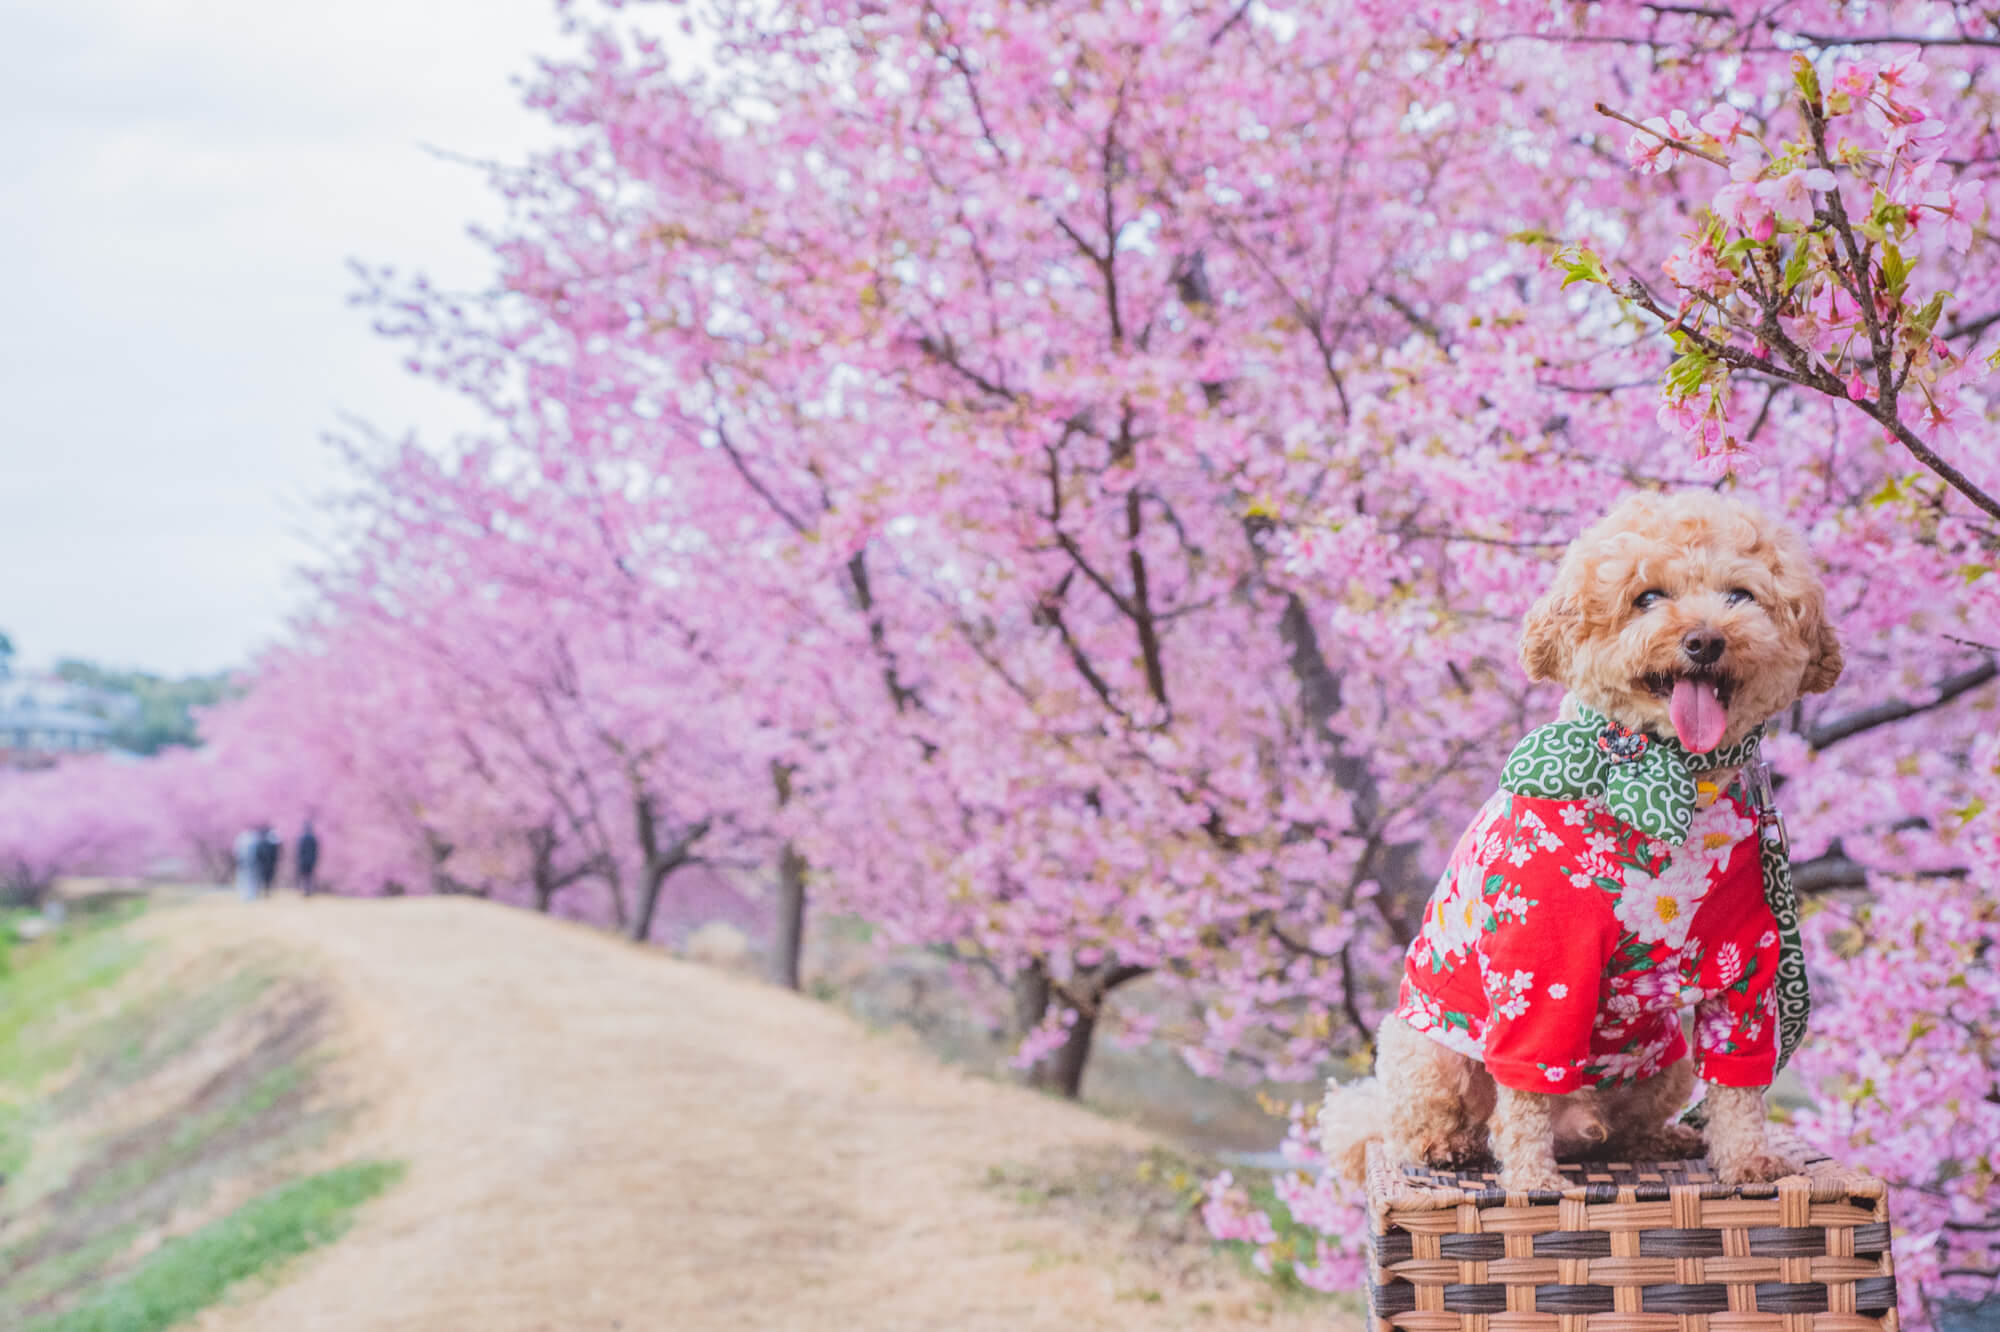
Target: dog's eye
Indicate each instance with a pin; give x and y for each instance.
(1739, 595)
(1644, 601)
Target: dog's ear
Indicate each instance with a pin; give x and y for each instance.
(1823, 670)
(1548, 631)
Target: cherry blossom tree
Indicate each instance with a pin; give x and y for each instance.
(1062, 482)
(1176, 409)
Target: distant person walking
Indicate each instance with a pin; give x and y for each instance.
(247, 843)
(306, 858)
(268, 847)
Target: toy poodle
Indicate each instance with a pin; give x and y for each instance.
(1620, 874)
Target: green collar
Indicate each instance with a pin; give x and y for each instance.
(1647, 781)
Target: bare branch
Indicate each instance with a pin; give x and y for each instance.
(1680, 145)
(1895, 710)
(1890, 39)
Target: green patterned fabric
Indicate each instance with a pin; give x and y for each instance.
(1649, 783)
(1794, 991)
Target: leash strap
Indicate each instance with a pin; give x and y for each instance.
(1775, 855)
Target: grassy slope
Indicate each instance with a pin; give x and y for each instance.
(130, 1104)
(191, 1273)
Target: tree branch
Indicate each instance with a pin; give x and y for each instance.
(1679, 145)
(1895, 710)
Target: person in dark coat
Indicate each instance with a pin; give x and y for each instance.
(306, 858)
(268, 848)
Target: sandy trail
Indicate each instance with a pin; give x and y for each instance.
(602, 1137)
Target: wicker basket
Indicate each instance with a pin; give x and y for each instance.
(1630, 1248)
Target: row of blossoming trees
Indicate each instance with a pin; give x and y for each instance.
(1060, 481)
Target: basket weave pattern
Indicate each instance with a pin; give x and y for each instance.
(1630, 1248)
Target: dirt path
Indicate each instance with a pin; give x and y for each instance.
(601, 1137)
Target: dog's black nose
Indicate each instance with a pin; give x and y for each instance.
(1702, 646)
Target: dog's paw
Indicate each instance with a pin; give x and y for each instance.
(1532, 1179)
(1449, 1149)
(1459, 1149)
(1757, 1168)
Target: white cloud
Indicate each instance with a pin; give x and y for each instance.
(186, 180)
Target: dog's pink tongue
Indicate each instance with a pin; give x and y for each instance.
(1698, 716)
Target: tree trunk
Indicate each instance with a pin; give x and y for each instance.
(1031, 998)
(650, 880)
(1060, 1071)
(615, 881)
(789, 940)
(1064, 1068)
(542, 877)
(659, 864)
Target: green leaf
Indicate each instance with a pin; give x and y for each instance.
(1581, 265)
(1891, 492)
(1807, 79)
(1795, 267)
(1895, 270)
(1926, 319)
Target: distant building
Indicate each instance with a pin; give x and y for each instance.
(51, 732)
(43, 719)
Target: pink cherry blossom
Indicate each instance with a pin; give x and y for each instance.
(1789, 196)
(1060, 483)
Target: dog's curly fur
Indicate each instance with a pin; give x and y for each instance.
(1433, 1105)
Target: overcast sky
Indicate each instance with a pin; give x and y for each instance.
(184, 183)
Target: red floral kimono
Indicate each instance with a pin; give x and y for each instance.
(1562, 943)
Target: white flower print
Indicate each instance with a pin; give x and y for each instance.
(1766, 939)
(1713, 1025)
(1578, 879)
(1555, 1074)
(1520, 853)
(1575, 815)
(1518, 997)
(1601, 843)
(1558, 991)
(1728, 965)
(1421, 1011)
(1625, 1065)
(1715, 832)
(1458, 912)
(1659, 909)
(1510, 905)
(1634, 992)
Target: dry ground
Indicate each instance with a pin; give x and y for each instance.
(600, 1137)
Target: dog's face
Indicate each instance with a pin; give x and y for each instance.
(1689, 614)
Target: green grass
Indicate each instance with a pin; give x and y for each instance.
(192, 1138)
(189, 1274)
(45, 1018)
(75, 1267)
(86, 1196)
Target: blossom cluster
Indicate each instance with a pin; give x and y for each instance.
(1060, 483)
